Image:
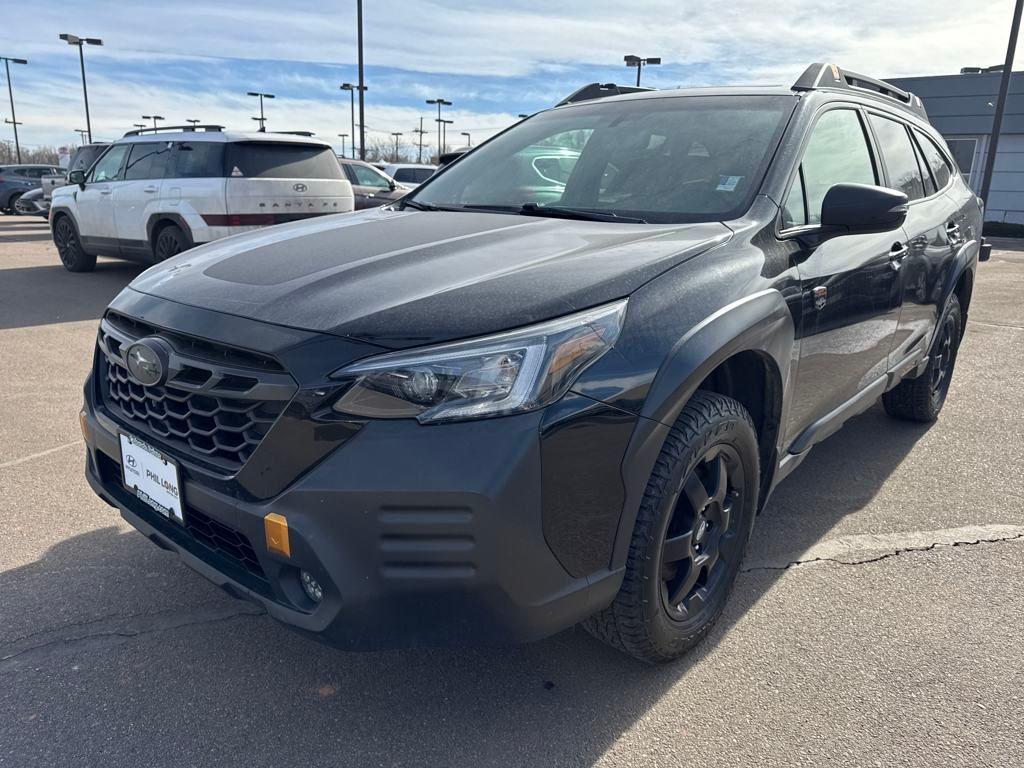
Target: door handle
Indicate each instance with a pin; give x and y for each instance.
(104, 191)
(897, 254)
(953, 232)
(151, 189)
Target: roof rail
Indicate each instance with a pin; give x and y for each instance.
(175, 128)
(307, 134)
(830, 76)
(599, 91)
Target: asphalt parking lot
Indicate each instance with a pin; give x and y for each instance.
(879, 620)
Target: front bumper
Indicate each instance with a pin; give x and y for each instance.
(420, 535)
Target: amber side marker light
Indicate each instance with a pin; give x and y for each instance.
(275, 527)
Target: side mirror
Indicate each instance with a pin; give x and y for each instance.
(862, 208)
(77, 177)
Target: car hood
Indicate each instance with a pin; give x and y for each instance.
(406, 278)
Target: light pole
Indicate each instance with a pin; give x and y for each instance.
(444, 130)
(440, 103)
(81, 42)
(362, 83)
(396, 134)
(154, 118)
(10, 92)
(469, 139)
(523, 115)
(420, 132)
(262, 119)
(639, 63)
(343, 137)
(192, 121)
(997, 118)
(352, 112)
(82, 134)
(138, 125)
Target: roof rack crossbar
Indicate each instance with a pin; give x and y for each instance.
(600, 91)
(176, 129)
(830, 76)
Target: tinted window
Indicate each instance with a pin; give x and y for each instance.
(85, 157)
(368, 177)
(413, 175)
(282, 161)
(898, 153)
(32, 173)
(935, 160)
(147, 160)
(926, 176)
(963, 152)
(694, 158)
(108, 167)
(837, 153)
(198, 160)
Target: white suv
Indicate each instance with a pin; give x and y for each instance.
(155, 193)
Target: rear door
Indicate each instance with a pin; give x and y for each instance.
(138, 195)
(95, 204)
(274, 182)
(849, 305)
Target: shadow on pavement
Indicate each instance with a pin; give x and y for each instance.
(43, 295)
(243, 691)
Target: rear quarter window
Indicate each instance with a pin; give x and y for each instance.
(413, 175)
(282, 161)
(197, 160)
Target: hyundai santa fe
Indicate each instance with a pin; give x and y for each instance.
(506, 404)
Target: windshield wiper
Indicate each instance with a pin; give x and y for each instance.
(561, 212)
(419, 206)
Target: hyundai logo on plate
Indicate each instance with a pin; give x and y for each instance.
(300, 187)
(147, 361)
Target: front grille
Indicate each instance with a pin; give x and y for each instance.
(223, 539)
(217, 404)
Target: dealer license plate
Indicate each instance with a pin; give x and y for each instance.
(151, 477)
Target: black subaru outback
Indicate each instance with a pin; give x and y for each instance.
(534, 393)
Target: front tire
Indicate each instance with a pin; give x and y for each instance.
(12, 204)
(690, 534)
(921, 399)
(69, 247)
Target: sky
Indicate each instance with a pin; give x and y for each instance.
(198, 58)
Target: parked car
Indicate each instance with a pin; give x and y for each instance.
(32, 203)
(81, 160)
(155, 193)
(16, 180)
(371, 186)
(410, 175)
(478, 413)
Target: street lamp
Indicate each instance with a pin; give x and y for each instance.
(469, 139)
(81, 42)
(440, 103)
(192, 121)
(261, 119)
(396, 134)
(523, 115)
(343, 137)
(639, 63)
(444, 129)
(82, 133)
(138, 125)
(154, 118)
(10, 92)
(352, 107)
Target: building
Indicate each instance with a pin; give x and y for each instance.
(962, 107)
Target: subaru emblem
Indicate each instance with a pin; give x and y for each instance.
(147, 361)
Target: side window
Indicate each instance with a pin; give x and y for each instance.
(147, 160)
(926, 175)
(794, 214)
(898, 153)
(108, 167)
(196, 160)
(367, 177)
(935, 160)
(837, 153)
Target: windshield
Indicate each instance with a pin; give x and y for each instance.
(693, 158)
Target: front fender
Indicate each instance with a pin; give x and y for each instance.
(761, 323)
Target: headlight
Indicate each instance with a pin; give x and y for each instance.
(506, 373)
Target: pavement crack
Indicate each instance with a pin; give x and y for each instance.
(869, 557)
(107, 632)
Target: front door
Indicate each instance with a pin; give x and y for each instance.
(136, 198)
(370, 187)
(849, 306)
(95, 204)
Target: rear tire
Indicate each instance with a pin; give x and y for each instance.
(921, 399)
(69, 247)
(12, 204)
(690, 534)
(170, 241)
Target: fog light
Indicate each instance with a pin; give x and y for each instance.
(311, 587)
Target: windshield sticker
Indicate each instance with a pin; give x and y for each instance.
(728, 183)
